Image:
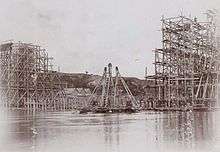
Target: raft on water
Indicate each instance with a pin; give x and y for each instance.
(105, 110)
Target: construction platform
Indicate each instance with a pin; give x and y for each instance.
(111, 95)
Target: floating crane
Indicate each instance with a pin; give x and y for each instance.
(111, 95)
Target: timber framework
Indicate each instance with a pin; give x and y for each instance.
(187, 65)
(186, 74)
(27, 78)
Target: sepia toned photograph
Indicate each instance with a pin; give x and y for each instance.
(110, 76)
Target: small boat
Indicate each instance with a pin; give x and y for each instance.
(84, 111)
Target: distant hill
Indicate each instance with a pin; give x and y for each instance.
(81, 80)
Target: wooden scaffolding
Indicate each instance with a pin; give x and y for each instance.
(186, 67)
(27, 78)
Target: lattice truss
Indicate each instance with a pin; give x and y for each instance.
(27, 78)
(186, 66)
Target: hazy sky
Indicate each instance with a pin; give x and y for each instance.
(84, 35)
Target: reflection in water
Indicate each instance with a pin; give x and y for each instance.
(150, 131)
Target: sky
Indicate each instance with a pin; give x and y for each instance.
(85, 35)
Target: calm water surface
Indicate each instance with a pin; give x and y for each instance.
(140, 132)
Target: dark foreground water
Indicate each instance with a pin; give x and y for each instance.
(140, 132)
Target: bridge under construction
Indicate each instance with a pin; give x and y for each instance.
(186, 75)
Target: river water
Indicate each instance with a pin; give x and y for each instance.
(139, 132)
